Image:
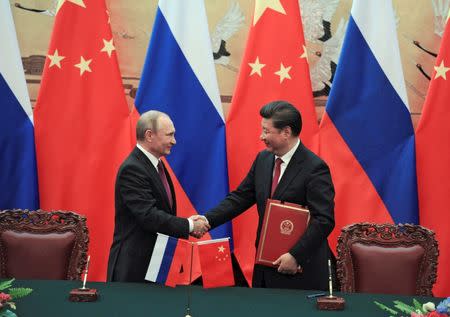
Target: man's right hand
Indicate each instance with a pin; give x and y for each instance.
(201, 226)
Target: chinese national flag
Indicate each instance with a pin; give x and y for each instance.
(82, 123)
(433, 162)
(215, 260)
(274, 67)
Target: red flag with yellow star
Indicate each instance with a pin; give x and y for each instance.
(433, 162)
(215, 260)
(274, 67)
(82, 123)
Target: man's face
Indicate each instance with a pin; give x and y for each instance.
(276, 140)
(161, 141)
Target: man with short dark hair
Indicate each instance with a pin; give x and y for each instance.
(145, 201)
(286, 171)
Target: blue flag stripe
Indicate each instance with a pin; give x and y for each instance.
(169, 84)
(167, 260)
(376, 125)
(18, 181)
(18, 177)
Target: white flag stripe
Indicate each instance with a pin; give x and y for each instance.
(11, 66)
(157, 257)
(385, 51)
(198, 52)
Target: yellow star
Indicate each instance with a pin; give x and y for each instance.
(262, 5)
(441, 70)
(55, 59)
(283, 72)
(305, 53)
(77, 2)
(84, 65)
(221, 249)
(108, 46)
(256, 67)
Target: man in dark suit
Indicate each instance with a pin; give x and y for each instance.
(289, 172)
(145, 201)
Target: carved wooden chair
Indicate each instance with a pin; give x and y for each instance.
(386, 258)
(42, 245)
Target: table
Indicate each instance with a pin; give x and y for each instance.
(50, 298)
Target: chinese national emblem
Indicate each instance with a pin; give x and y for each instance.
(286, 227)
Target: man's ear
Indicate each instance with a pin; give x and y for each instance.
(287, 131)
(149, 135)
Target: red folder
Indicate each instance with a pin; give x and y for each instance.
(283, 225)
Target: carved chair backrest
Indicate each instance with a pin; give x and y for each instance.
(387, 258)
(42, 245)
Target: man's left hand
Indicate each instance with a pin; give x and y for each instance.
(287, 264)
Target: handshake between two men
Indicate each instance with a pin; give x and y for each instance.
(201, 226)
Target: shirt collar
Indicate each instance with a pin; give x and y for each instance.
(150, 156)
(287, 157)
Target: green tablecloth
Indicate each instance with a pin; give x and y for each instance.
(50, 298)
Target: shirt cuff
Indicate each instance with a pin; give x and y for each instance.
(191, 225)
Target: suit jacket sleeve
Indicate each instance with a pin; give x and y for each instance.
(139, 197)
(320, 200)
(236, 202)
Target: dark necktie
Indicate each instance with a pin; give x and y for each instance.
(276, 175)
(162, 175)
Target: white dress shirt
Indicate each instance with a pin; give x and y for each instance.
(286, 159)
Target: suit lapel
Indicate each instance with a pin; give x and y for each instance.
(267, 173)
(293, 168)
(172, 190)
(153, 173)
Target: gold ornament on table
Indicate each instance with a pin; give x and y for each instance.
(84, 294)
(330, 302)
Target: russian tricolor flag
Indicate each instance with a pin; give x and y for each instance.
(162, 260)
(366, 135)
(179, 79)
(18, 179)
